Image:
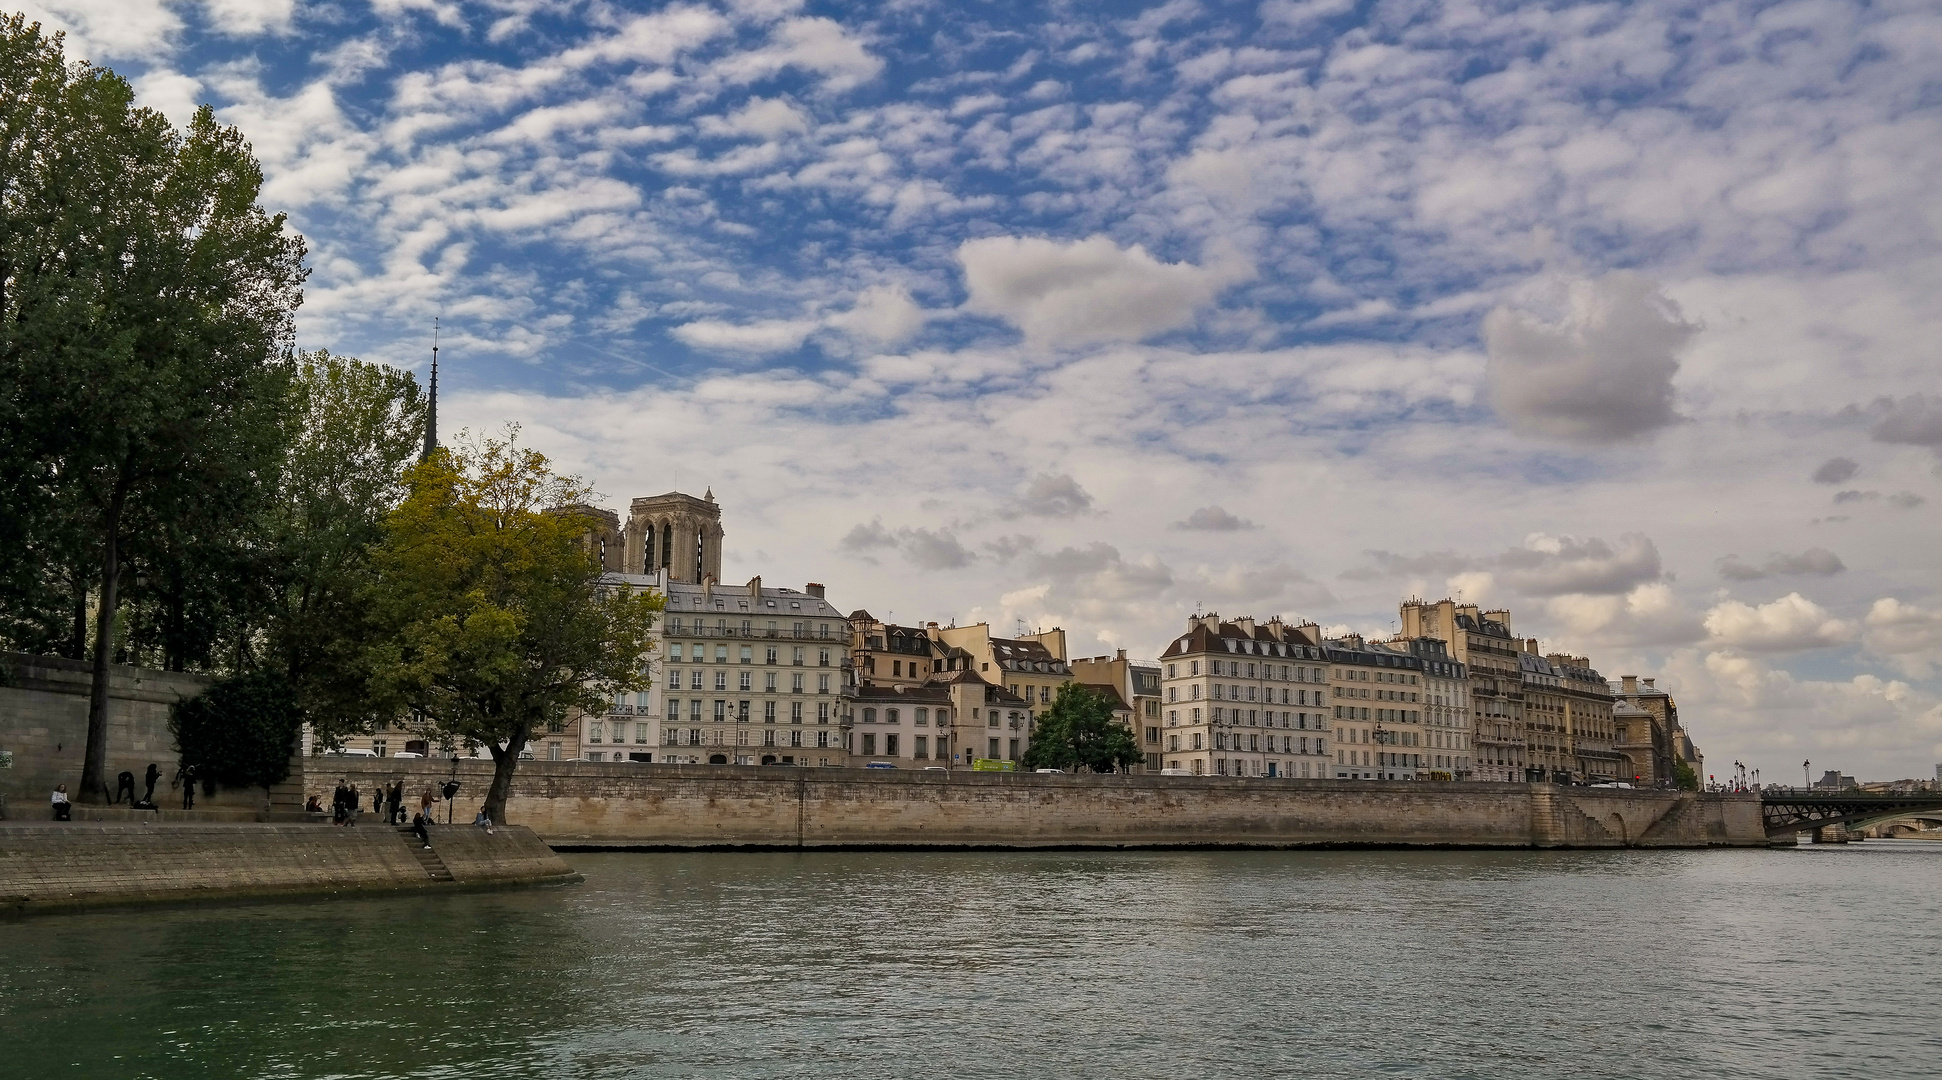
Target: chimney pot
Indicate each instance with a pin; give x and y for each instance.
(814, 589)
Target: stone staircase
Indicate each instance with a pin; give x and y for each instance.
(427, 857)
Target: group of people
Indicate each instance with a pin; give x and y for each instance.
(346, 803)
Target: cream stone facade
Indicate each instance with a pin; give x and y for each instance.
(1447, 726)
(1376, 695)
(1138, 684)
(677, 534)
(754, 676)
(1588, 718)
(1246, 700)
(1482, 642)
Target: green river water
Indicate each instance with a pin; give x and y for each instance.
(1815, 962)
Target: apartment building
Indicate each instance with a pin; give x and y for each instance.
(1137, 685)
(890, 655)
(1656, 747)
(1445, 707)
(1246, 700)
(1482, 642)
(1376, 698)
(1588, 705)
(754, 676)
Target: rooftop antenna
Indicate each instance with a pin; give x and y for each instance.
(431, 408)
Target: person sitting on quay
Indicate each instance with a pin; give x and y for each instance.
(63, 810)
(314, 804)
(419, 824)
(483, 820)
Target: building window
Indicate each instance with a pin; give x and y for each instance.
(869, 743)
(889, 716)
(822, 712)
(768, 712)
(890, 744)
(921, 717)
(921, 748)
(869, 716)
(594, 731)
(721, 680)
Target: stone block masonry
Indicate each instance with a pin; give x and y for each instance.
(628, 805)
(54, 867)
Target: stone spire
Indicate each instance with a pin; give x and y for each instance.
(431, 408)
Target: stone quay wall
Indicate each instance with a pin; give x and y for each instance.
(50, 867)
(44, 722)
(631, 805)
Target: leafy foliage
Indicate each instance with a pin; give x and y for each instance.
(1684, 776)
(487, 603)
(148, 309)
(240, 732)
(1080, 730)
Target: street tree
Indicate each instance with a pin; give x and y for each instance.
(146, 319)
(490, 615)
(1079, 730)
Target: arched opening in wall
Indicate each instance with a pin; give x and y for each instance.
(1616, 826)
(647, 549)
(717, 759)
(768, 759)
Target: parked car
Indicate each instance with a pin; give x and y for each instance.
(1176, 772)
(407, 753)
(880, 765)
(352, 751)
(935, 768)
(1054, 772)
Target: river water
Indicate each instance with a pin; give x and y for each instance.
(1817, 962)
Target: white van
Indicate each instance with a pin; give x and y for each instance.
(1176, 772)
(352, 751)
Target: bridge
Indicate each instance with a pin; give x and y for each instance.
(1791, 811)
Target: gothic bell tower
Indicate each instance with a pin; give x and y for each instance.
(677, 533)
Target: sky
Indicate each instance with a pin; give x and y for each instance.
(1619, 316)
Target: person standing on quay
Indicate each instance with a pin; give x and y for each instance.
(354, 806)
(398, 803)
(186, 776)
(337, 800)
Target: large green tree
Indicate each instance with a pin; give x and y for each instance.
(351, 428)
(1079, 730)
(489, 608)
(146, 319)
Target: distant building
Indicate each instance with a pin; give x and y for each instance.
(1588, 703)
(1447, 726)
(1246, 700)
(1137, 685)
(1376, 696)
(676, 533)
(1482, 642)
(754, 676)
(1654, 759)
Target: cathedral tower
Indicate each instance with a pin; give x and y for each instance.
(678, 533)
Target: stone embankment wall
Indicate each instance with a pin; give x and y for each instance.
(48, 867)
(581, 804)
(44, 722)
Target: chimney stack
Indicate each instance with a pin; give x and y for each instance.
(815, 589)
(1630, 683)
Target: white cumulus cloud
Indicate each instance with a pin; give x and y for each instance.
(1088, 290)
(1789, 624)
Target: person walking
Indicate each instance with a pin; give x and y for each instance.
(63, 810)
(425, 804)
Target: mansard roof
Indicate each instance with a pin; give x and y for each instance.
(1027, 656)
(1230, 638)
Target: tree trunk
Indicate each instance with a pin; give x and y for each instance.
(503, 763)
(78, 648)
(94, 767)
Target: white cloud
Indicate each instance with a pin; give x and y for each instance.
(810, 44)
(1789, 624)
(1051, 495)
(762, 117)
(1086, 290)
(1907, 634)
(882, 313)
(1599, 372)
(764, 336)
